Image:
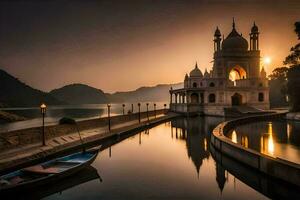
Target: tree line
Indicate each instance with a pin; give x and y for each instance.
(285, 81)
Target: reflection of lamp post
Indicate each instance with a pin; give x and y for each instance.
(147, 104)
(43, 111)
(108, 115)
(123, 109)
(139, 105)
(154, 110)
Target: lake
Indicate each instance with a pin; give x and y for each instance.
(78, 112)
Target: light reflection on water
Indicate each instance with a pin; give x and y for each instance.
(170, 161)
(277, 138)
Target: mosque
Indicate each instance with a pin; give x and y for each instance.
(236, 81)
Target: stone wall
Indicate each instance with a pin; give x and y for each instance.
(274, 167)
(34, 135)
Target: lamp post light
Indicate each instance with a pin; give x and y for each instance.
(123, 109)
(108, 115)
(139, 105)
(43, 111)
(155, 110)
(147, 104)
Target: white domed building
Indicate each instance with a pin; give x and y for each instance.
(236, 81)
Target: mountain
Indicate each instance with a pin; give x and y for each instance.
(14, 93)
(79, 94)
(143, 94)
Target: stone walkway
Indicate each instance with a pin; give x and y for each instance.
(27, 154)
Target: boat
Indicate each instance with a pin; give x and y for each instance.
(47, 172)
(85, 175)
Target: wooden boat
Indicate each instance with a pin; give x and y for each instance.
(47, 172)
(85, 175)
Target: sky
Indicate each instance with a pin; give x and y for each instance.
(120, 45)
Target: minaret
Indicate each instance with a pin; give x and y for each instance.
(186, 81)
(254, 38)
(217, 40)
(263, 73)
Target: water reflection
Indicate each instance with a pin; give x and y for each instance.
(276, 138)
(170, 161)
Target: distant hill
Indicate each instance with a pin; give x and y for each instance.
(14, 93)
(143, 94)
(79, 94)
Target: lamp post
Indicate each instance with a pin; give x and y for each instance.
(147, 104)
(139, 105)
(132, 108)
(155, 110)
(43, 111)
(108, 115)
(165, 105)
(123, 109)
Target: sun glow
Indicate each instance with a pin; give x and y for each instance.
(267, 60)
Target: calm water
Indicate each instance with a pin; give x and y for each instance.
(169, 161)
(162, 164)
(78, 112)
(277, 138)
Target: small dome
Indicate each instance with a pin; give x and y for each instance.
(254, 28)
(196, 72)
(217, 32)
(235, 42)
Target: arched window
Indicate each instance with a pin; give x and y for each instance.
(212, 84)
(211, 98)
(194, 85)
(194, 98)
(237, 73)
(261, 97)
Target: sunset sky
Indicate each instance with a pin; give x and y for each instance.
(122, 45)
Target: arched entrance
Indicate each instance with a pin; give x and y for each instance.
(236, 99)
(194, 98)
(237, 73)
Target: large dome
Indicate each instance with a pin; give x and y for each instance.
(196, 72)
(235, 42)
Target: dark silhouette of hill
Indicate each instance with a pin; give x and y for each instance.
(144, 94)
(14, 93)
(79, 94)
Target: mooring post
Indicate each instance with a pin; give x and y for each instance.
(155, 110)
(108, 115)
(147, 104)
(123, 109)
(139, 105)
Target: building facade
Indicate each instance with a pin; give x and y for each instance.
(235, 80)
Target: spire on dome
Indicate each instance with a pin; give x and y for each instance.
(196, 66)
(206, 74)
(217, 32)
(233, 23)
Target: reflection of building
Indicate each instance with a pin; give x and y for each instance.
(220, 176)
(193, 132)
(235, 79)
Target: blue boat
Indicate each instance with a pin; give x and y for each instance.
(47, 172)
